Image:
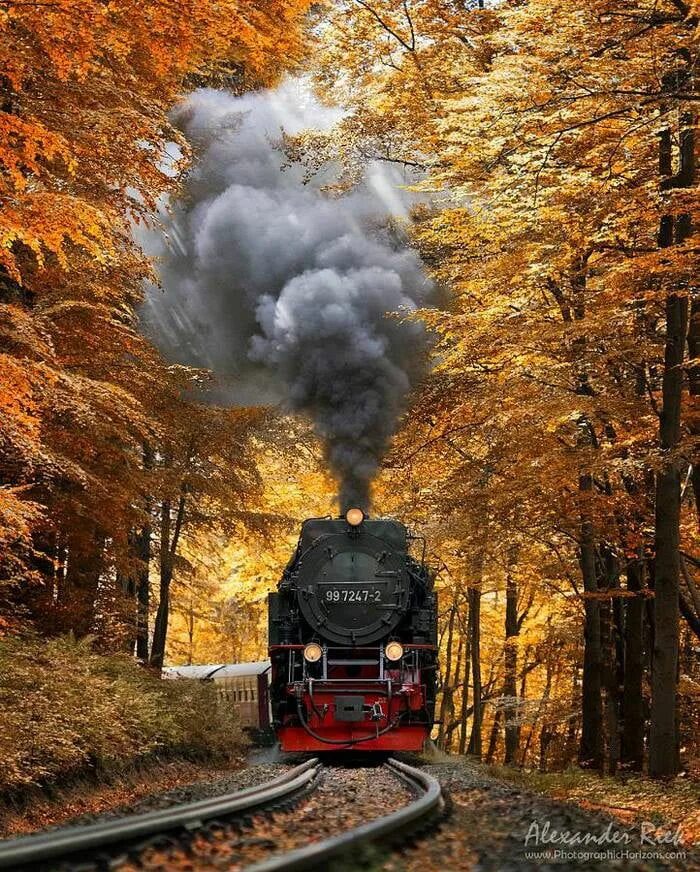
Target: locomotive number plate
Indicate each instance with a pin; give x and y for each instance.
(353, 595)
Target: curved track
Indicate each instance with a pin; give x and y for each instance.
(40, 850)
(425, 808)
(96, 842)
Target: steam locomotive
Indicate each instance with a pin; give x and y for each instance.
(353, 639)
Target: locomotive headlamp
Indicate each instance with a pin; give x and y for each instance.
(313, 652)
(393, 651)
(354, 517)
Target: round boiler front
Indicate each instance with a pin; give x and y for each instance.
(352, 590)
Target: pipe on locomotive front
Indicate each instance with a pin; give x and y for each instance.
(354, 741)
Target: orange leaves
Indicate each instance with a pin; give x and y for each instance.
(26, 145)
(87, 87)
(51, 224)
(17, 404)
(84, 95)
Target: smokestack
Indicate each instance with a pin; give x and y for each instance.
(285, 291)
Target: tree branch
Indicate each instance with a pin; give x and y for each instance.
(386, 27)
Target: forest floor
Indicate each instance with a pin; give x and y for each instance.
(135, 788)
(630, 799)
(499, 819)
(497, 824)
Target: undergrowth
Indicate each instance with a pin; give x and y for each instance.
(65, 709)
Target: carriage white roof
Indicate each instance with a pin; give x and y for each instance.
(217, 670)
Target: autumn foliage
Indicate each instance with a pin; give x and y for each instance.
(66, 708)
(550, 457)
(100, 447)
(85, 94)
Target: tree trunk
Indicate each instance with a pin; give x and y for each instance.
(541, 712)
(663, 739)
(143, 590)
(571, 740)
(464, 712)
(160, 629)
(85, 557)
(610, 662)
(547, 734)
(493, 739)
(591, 745)
(523, 696)
(190, 631)
(632, 750)
(143, 587)
(168, 549)
(447, 677)
(127, 588)
(512, 730)
(475, 647)
(449, 737)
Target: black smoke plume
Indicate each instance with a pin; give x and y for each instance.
(285, 291)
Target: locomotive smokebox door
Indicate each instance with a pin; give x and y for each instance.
(349, 708)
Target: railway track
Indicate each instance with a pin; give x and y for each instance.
(48, 849)
(427, 806)
(108, 844)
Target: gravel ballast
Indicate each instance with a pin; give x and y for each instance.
(346, 797)
(492, 820)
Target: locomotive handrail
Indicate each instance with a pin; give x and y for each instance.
(283, 646)
(428, 804)
(55, 844)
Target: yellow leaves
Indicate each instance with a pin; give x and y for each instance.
(542, 224)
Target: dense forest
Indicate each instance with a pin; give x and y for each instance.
(549, 455)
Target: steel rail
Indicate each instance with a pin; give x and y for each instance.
(55, 845)
(424, 808)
